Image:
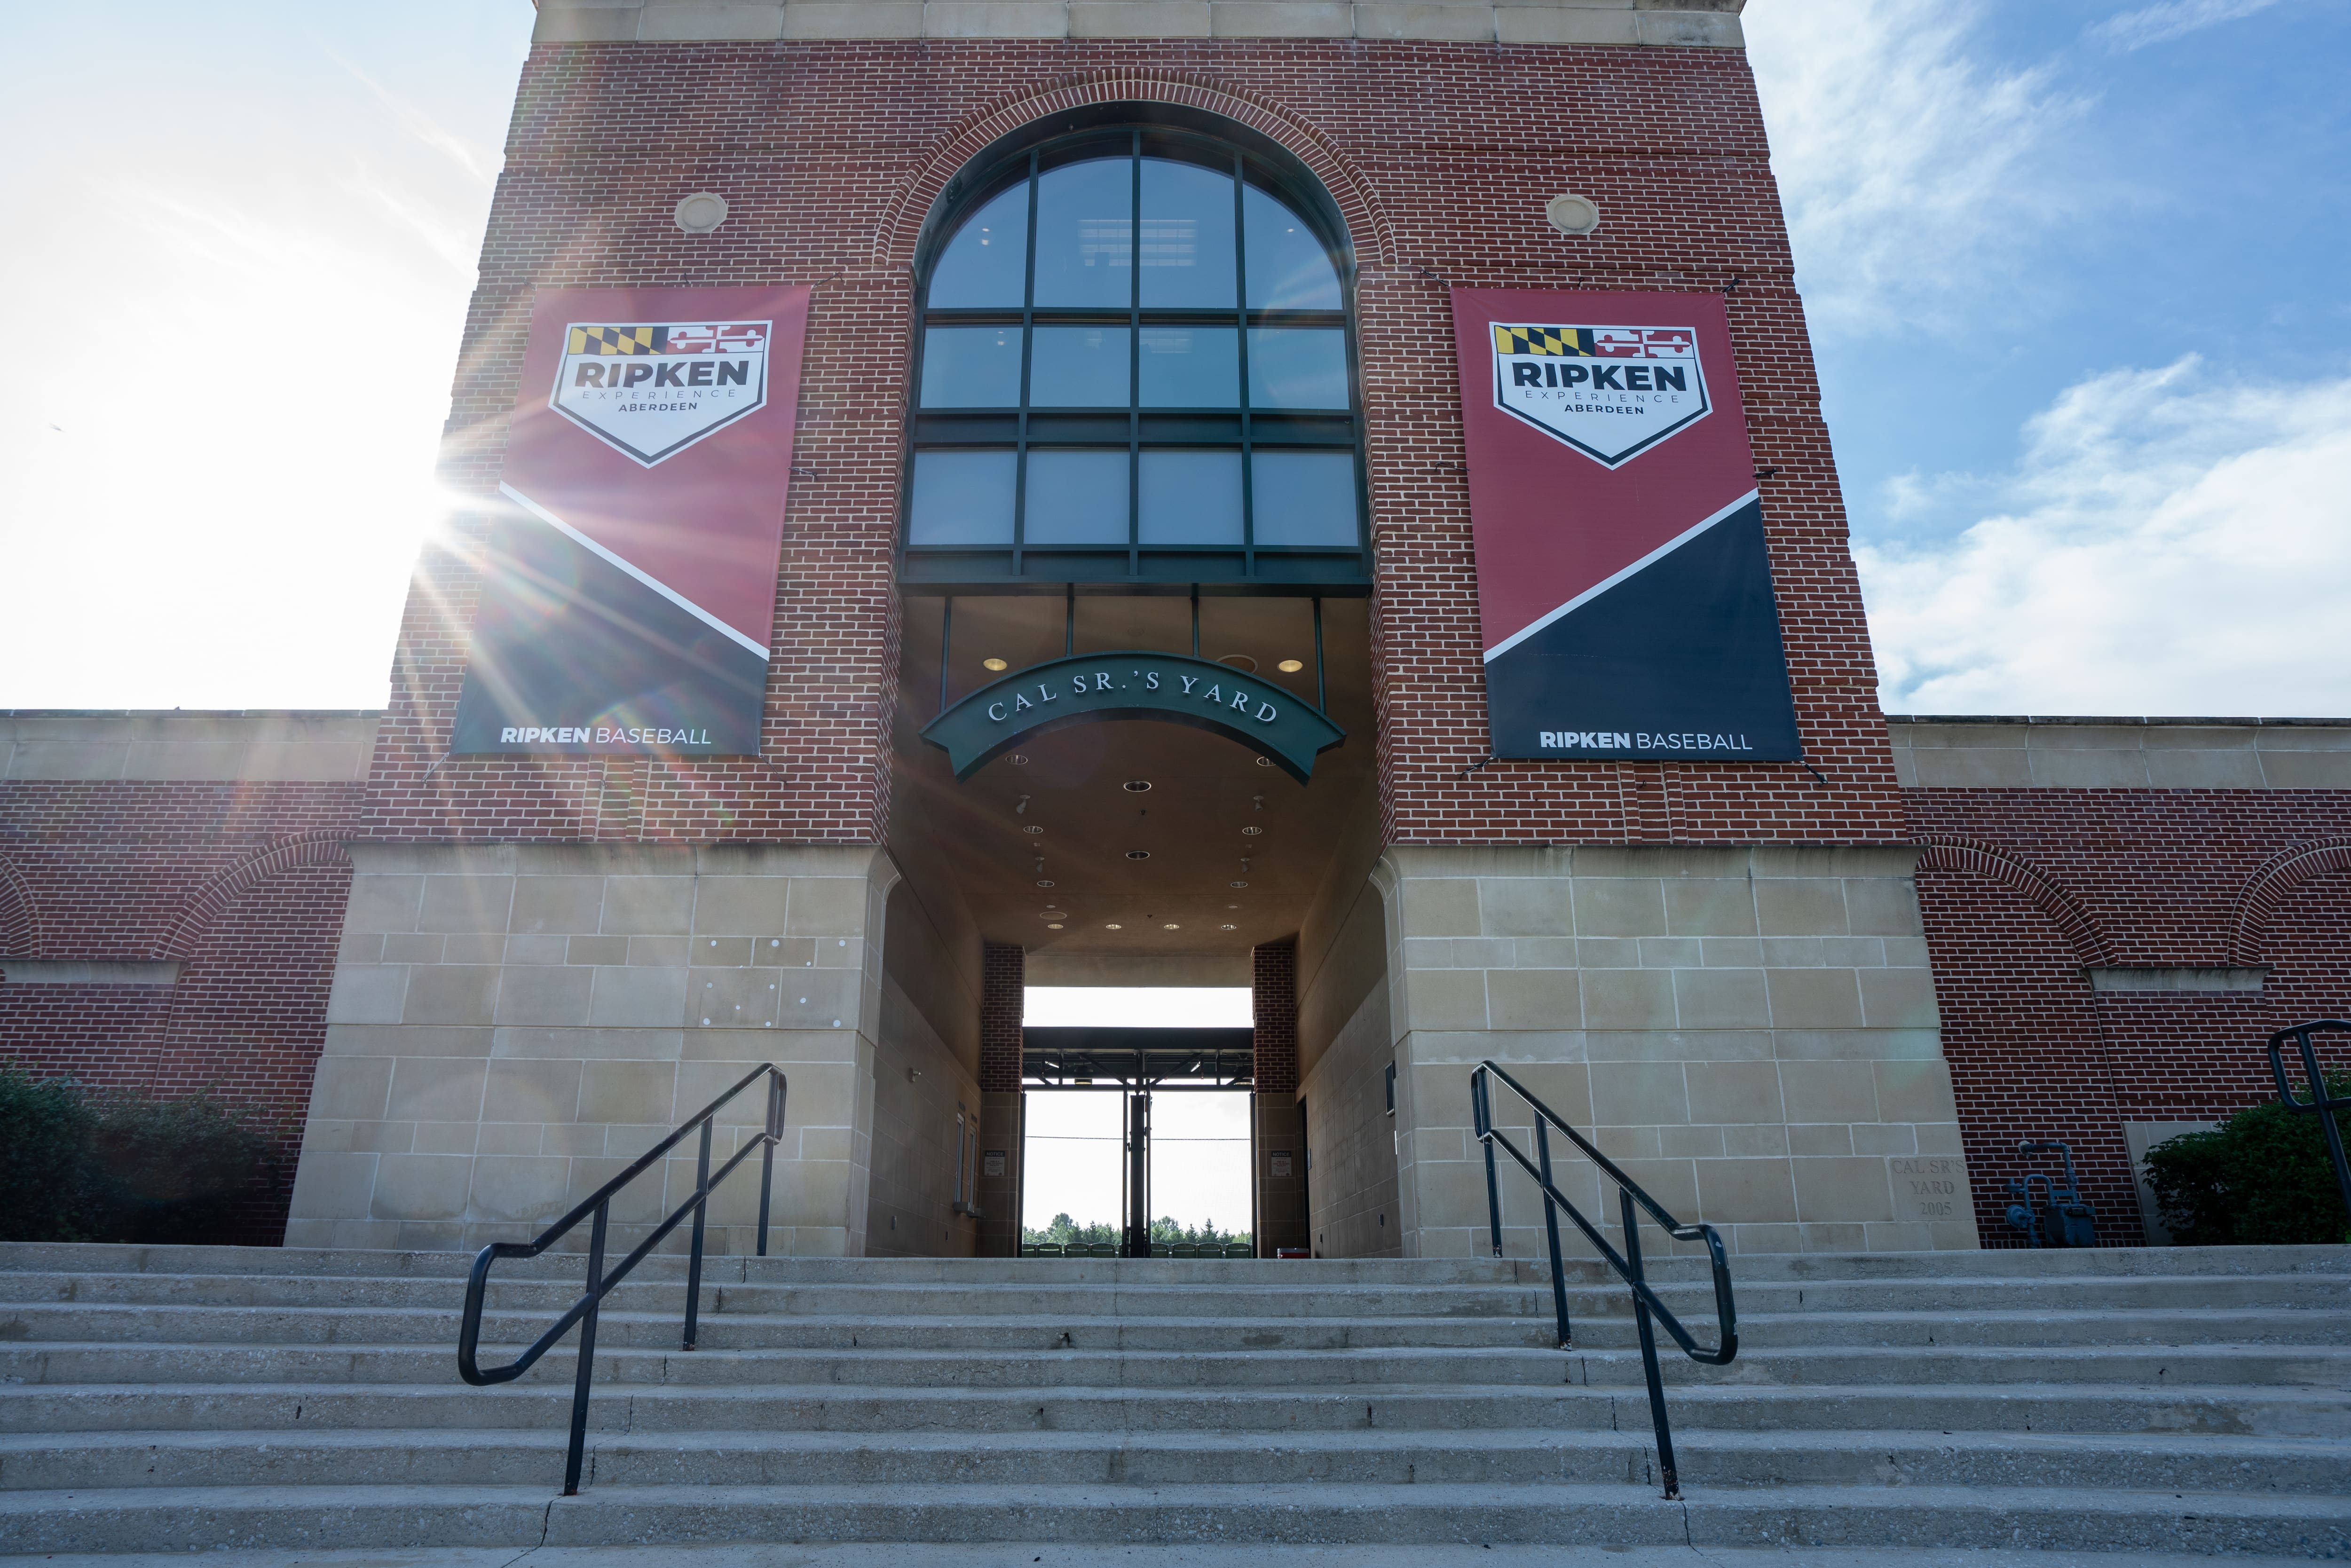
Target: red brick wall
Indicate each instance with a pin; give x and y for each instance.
(2024, 889)
(241, 883)
(1003, 1000)
(1441, 155)
(1273, 1008)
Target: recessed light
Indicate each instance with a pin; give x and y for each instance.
(1290, 667)
(1171, 925)
(1227, 927)
(1241, 662)
(1043, 883)
(1033, 827)
(1252, 832)
(1017, 760)
(701, 212)
(1136, 786)
(1138, 854)
(1112, 926)
(1572, 214)
(1236, 884)
(1053, 925)
(994, 664)
(1232, 906)
(1261, 762)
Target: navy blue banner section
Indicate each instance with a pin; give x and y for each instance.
(572, 655)
(1680, 659)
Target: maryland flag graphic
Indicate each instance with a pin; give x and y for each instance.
(1610, 393)
(680, 381)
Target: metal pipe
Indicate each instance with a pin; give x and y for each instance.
(586, 1371)
(946, 645)
(694, 1262)
(1481, 1107)
(769, 1137)
(1666, 1470)
(1551, 1226)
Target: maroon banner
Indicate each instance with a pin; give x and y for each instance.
(629, 591)
(1623, 592)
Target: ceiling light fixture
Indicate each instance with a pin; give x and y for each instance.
(1033, 827)
(994, 664)
(701, 212)
(1171, 925)
(1112, 926)
(1017, 760)
(1236, 884)
(1042, 882)
(1252, 832)
(1053, 925)
(1136, 786)
(1572, 214)
(1138, 854)
(1241, 662)
(1227, 927)
(1265, 762)
(1290, 667)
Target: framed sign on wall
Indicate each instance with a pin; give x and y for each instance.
(1623, 593)
(628, 587)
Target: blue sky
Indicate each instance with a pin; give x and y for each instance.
(2075, 271)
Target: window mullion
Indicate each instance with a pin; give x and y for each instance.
(1135, 367)
(1240, 335)
(1021, 420)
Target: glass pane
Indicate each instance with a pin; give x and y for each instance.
(1187, 235)
(987, 263)
(1292, 367)
(1288, 267)
(1191, 499)
(971, 367)
(1076, 498)
(1190, 367)
(1079, 367)
(1085, 242)
(961, 498)
(1303, 497)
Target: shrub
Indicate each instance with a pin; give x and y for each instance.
(122, 1167)
(2262, 1176)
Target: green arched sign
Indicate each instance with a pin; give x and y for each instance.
(1171, 688)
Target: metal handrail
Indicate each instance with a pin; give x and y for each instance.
(600, 1283)
(2321, 1103)
(1631, 1199)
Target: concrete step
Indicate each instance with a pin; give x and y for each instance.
(197, 1519)
(260, 1409)
(2186, 1462)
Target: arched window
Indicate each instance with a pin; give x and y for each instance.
(1135, 361)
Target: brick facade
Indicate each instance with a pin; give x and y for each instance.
(832, 154)
(1003, 998)
(1273, 1006)
(2025, 891)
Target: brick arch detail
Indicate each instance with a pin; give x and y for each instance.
(2257, 902)
(1358, 204)
(20, 920)
(204, 906)
(1969, 858)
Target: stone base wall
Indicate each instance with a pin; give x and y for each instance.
(511, 1025)
(1750, 1033)
(1353, 1187)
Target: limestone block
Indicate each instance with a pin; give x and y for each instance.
(648, 906)
(1620, 906)
(1690, 1143)
(826, 907)
(565, 904)
(1845, 1189)
(1800, 906)
(1722, 998)
(1757, 1140)
(1820, 1138)
(1898, 999)
(380, 903)
(366, 993)
(1139, 18)
(1533, 999)
(1884, 1138)
(411, 947)
(1829, 1091)
(1733, 1092)
(1710, 907)
(738, 999)
(1628, 999)
(531, 1092)
(663, 19)
(1445, 1000)
(1670, 952)
(1914, 1090)
(1281, 19)
(1638, 1093)
(621, 1092)
(855, 19)
(1560, 24)
(544, 994)
(420, 1187)
(465, 904)
(328, 1186)
(1813, 998)
(508, 1138)
(741, 906)
(1746, 1191)
(451, 994)
(1440, 907)
(437, 1089)
(1455, 22)
(546, 948)
(596, 950)
(646, 998)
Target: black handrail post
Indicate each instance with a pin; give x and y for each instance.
(586, 1372)
(1550, 1225)
(693, 1264)
(1481, 1110)
(1637, 1278)
(2322, 1101)
(773, 1136)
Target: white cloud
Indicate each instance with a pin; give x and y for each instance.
(2174, 19)
(2173, 541)
(1908, 167)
